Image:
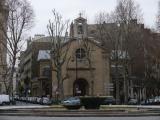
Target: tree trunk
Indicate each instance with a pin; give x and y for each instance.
(125, 88)
(117, 85)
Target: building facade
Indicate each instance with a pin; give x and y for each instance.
(3, 52)
(143, 56)
(42, 85)
(30, 65)
(89, 69)
(87, 74)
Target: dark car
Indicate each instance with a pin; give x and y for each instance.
(109, 101)
(144, 102)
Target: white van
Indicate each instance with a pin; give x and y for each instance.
(4, 99)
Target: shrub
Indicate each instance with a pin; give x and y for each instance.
(72, 107)
(92, 102)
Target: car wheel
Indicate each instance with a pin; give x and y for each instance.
(3, 103)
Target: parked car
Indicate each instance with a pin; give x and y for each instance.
(110, 100)
(16, 97)
(4, 99)
(38, 100)
(12, 100)
(45, 101)
(150, 101)
(153, 101)
(144, 102)
(157, 99)
(133, 101)
(34, 100)
(71, 101)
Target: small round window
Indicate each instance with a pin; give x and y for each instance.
(80, 53)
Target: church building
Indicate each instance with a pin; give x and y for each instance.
(86, 66)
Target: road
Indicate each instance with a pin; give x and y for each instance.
(77, 118)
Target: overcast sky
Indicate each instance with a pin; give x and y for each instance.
(71, 8)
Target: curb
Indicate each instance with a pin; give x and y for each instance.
(82, 115)
(78, 113)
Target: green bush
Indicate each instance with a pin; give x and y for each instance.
(92, 102)
(56, 102)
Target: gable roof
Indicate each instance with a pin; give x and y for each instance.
(95, 42)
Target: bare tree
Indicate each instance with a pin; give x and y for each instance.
(117, 32)
(108, 35)
(152, 64)
(127, 14)
(20, 19)
(89, 51)
(57, 29)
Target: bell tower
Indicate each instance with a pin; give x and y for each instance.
(78, 29)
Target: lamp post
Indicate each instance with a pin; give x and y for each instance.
(92, 84)
(76, 75)
(76, 69)
(29, 91)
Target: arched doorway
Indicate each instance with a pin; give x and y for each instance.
(80, 87)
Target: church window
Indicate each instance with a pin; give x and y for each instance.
(80, 29)
(80, 53)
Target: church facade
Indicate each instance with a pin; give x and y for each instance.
(87, 65)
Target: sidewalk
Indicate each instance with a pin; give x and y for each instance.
(22, 107)
(60, 111)
(60, 107)
(76, 113)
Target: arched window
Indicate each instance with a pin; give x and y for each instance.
(80, 53)
(80, 29)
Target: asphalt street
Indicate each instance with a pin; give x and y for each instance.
(77, 118)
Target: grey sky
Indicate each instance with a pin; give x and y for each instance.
(71, 8)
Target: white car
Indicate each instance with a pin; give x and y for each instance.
(157, 99)
(38, 100)
(45, 101)
(71, 101)
(4, 99)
